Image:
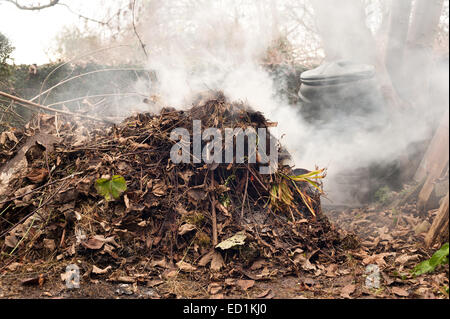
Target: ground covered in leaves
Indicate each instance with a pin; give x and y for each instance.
(110, 201)
(386, 240)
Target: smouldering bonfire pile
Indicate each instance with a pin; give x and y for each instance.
(113, 193)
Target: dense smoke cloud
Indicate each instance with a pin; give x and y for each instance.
(217, 51)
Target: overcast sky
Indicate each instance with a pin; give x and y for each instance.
(32, 32)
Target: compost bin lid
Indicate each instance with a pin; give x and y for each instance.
(337, 72)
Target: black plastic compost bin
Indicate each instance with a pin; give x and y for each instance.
(342, 98)
(343, 93)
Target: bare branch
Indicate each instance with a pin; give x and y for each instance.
(84, 17)
(39, 7)
(135, 31)
(35, 105)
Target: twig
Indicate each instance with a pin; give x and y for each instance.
(23, 238)
(245, 195)
(94, 96)
(40, 187)
(18, 99)
(81, 75)
(257, 178)
(135, 32)
(37, 7)
(2, 234)
(103, 23)
(214, 217)
(71, 60)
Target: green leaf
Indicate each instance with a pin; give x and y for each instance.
(440, 257)
(111, 188)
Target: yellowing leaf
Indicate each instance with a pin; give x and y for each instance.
(237, 240)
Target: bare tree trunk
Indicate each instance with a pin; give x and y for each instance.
(398, 33)
(434, 162)
(419, 48)
(439, 228)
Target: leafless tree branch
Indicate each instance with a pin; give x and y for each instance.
(38, 7)
(135, 31)
(84, 17)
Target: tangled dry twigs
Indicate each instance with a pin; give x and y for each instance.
(177, 212)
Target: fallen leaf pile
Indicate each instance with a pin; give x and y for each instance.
(391, 239)
(113, 193)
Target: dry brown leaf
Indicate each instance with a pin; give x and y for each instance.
(217, 261)
(154, 283)
(161, 263)
(270, 295)
(376, 259)
(197, 195)
(348, 290)
(170, 273)
(230, 281)
(136, 146)
(403, 259)
(184, 266)
(123, 279)
(49, 244)
(37, 175)
(245, 284)
(126, 201)
(263, 294)
(331, 270)
(185, 228)
(80, 140)
(181, 210)
(308, 266)
(3, 138)
(13, 266)
(11, 241)
(258, 264)
(159, 189)
(214, 288)
(400, 292)
(206, 259)
(222, 208)
(23, 199)
(93, 243)
(99, 271)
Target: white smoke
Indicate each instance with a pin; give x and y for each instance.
(218, 47)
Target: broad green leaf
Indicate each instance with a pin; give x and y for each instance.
(422, 268)
(440, 257)
(111, 188)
